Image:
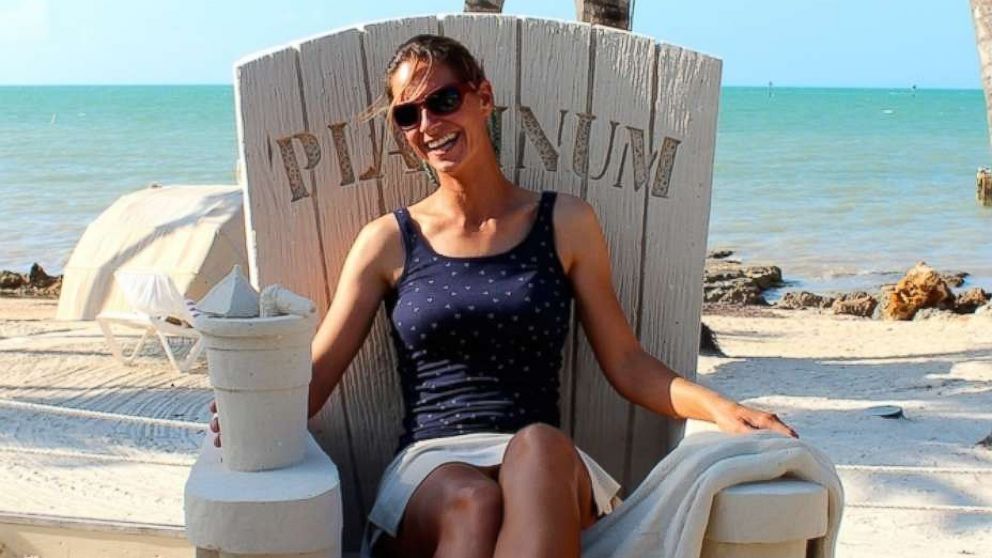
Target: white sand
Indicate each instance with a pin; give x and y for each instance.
(82, 436)
(915, 487)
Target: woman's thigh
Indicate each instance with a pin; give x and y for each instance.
(420, 528)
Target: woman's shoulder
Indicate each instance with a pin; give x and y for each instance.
(572, 213)
(379, 243)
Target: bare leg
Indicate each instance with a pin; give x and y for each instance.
(547, 495)
(456, 511)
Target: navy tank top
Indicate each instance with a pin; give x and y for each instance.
(479, 339)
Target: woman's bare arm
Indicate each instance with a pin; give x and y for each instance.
(635, 374)
(374, 261)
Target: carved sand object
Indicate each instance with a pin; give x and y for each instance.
(260, 370)
(232, 297)
(277, 300)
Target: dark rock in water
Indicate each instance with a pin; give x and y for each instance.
(804, 299)
(970, 300)
(985, 442)
(954, 278)
(764, 276)
(11, 280)
(708, 345)
(858, 303)
(719, 254)
(922, 287)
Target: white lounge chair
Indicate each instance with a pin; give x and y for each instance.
(159, 309)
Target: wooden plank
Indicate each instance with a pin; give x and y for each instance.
(349, 428)
(675, 239)
(405, 185)
(553, 66)
(272, 129)
(489, 39)
(619, 108)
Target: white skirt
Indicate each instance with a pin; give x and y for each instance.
(412, 465)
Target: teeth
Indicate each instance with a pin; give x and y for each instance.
(441, 141)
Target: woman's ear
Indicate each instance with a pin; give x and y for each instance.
(486, 98)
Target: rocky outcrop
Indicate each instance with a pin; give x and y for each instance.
(804, 299)
(857, 303)
(954, 278)
(921, 287)
(970, 300)
(33, 283)
(730, 282)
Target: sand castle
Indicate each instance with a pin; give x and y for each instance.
(269, 490)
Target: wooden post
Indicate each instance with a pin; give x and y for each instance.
(484, 6)
(614, 13)
(984, 193)
(981, 13)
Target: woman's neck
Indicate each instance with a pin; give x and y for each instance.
(476, 197)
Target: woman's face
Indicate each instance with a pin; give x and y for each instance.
(448, 142)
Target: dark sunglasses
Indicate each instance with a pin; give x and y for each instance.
(443, 100)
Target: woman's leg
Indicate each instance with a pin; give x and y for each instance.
(456, 511)
(547, 495)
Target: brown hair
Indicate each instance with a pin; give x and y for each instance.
(432, 49)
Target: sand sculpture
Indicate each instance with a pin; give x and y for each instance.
(269, 490)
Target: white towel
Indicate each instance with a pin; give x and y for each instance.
(667, 515)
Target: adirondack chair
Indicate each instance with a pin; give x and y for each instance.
(616, 118)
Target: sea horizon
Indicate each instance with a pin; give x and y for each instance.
(842, 187)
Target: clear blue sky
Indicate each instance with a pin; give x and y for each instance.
(875, 43)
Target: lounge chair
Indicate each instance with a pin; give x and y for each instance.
(158, 309)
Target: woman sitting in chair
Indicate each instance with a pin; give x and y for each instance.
(478, 279)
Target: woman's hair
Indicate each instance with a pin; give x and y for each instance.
(431, 49)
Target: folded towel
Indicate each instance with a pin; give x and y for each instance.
(667, 515)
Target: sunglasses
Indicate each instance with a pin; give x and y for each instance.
(443, 100)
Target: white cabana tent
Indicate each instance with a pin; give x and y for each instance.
(194, 234)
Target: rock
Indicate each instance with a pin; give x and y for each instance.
(804, 299)
(735, 292)
(954, 278)
(922, 287)
(764, 276)
(38, 278)
(933, 314)
(857, 303)
(719, 254)
(970, 300)
(11, 280)
(708, 344)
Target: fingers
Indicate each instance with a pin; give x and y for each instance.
(215, 423)
(770, 421)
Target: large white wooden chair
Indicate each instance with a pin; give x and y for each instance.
(616, 118)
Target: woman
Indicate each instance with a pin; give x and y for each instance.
(478, 278)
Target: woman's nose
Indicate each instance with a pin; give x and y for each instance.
(427, 119)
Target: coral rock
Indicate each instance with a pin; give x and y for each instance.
(970, 301)
(922, 287)
(804, 299)
(855, 304)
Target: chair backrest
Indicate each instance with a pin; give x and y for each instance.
(153, 294)
(624, 122)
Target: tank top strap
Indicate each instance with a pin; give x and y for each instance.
(545, 210)
(407, 230)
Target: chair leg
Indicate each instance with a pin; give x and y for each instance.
(168, 351)
(115, 347)
(194, 353)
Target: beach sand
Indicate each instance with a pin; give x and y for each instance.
(81, 436)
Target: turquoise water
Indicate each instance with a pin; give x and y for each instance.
(840, 187)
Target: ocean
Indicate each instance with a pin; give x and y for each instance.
(841, 188)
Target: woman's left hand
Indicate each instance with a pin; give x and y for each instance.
(739, 419)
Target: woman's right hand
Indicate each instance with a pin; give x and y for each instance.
(215, 423)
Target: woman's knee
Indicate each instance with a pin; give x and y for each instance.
(543, 441)
(476, 502)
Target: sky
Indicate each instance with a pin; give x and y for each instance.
(842, 43)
